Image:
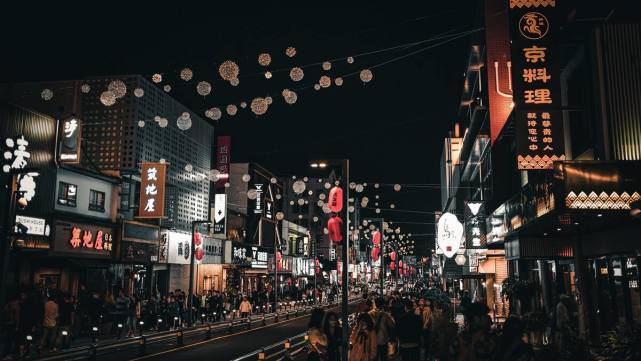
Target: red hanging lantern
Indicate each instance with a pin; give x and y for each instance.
(335, 227)
(376, 238)
(392, 266)
(400, 264)
(199, 253)
(392, 256)
(198, 239)
(317, 266)
(278, 256)
(375, 253)
(336, 199)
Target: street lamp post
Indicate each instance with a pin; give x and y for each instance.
(190, 301)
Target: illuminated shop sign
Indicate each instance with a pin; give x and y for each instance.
(69, 141)
(259, 258)
(152, 190)
(535, 82)
(475, 234)
(83, 239)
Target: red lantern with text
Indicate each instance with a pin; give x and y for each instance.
(198, 239)
(392, 265)
(335, 228)
(336, 199)
(199, 253)
(392, 256)
(278, 256)
(375, 253)
(376, 238)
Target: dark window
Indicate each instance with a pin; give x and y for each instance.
(67, 194)
(96, 201)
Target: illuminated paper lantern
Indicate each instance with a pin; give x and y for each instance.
(336, 199)
(450, 233)
(198, 239)
(278, 256)
(392, 256)
(335, 228)
(199, 253)
(376, 238)
(392, 266)
(375, 253)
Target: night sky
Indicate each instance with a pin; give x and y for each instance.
(392, 128)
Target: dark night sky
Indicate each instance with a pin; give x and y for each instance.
(392, 129)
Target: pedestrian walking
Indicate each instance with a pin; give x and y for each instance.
(316, 337)
(363, 339)
(384, 327)
(49, 324)
(334, 335)
(408, 330)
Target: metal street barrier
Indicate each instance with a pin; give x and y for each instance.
(97, 349)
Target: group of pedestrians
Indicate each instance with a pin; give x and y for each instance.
(414, 327)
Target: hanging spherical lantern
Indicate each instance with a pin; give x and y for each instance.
(350, 59)
(460, 259)
(167, 88)
(325, 81)
(336, 199)
(186, 74)
(214, 175)
(203, 88)
(299, 187)
(290, 51)
(156, 78)
(269, 99)
(243, 105)
(359, 188)
(252, 194)
(141, 124)
(321, 196)
(163, 122)
(189, 167)
(338, 81)
(268, 74)
(264, 59)
(392, 256)
(335, 228)
(118, 87)
(108, 98)
(216, 113)
(47, 94)
(246, 178)
(259, 106)
(392, 266)
(232, 109)
(366, 75)
(234, 81)
(139, 93)
(296, 74)
(85, 88)
(280, 216)
(228, 70)
(300, 201)
(327, 65)
(289, 96)
(317, 86)
(184, 121)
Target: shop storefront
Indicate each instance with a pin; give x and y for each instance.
(209, 270)
(247, 270)
(139, 249)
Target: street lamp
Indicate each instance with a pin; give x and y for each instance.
(344, 163)
(190, 301)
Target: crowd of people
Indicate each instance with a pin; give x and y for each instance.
(417, 325)
(41, 320)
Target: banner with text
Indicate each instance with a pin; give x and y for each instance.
(152, 190)
(534, 31)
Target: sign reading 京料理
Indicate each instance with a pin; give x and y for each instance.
(535, 83)
(152, 190)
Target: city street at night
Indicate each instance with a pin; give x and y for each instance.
(341, 181)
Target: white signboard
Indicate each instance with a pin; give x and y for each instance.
(35, 226)
(179, 247)
(450, 234)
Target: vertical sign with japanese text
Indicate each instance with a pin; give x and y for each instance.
(535, 81)
(152, 190)
(219, 214)
(223, 153)
(475, 233)
(69, 141)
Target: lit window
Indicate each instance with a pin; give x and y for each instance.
(67, 194)
(96, 201)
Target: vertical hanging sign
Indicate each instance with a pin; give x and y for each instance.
(223, 152)
(152, 190)
(536, 88)
(69, 141)
(219, 214)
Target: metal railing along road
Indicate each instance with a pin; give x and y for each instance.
(203, 331)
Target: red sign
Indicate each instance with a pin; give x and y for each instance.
(499, 79)
(223, 158)
(87, 238)
(152, 190)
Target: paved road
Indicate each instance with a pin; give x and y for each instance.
(220, 347)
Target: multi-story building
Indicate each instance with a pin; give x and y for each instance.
(567, 227)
